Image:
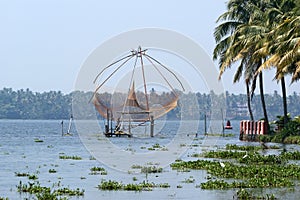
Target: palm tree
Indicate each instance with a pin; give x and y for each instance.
(236, 43)
(281, 44)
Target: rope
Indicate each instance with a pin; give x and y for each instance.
(110, 76)
(145, 87)
(167, 70)
(131, 80)
(161, 74)
(110, 66)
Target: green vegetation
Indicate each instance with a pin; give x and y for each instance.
(151, 169)
(47, 193)
(157, 147)
(38, 140)
(189, 180)
(246, 195)
(114, 185)
(25, 104)
(248, 168)
(64, 157)
(21, 174)
(255, 36)
(242, 148)
(30, 176)
(52, 171)
(288, 134)
(98, 170)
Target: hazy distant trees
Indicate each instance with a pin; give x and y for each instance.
(25, 104)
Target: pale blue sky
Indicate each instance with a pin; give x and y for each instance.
(44, 43)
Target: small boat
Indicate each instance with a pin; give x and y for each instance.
(228, 125)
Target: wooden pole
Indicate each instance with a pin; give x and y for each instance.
(151, 126)
(62, 128)
(129, 126)
(70, 124)
(107, 125)
(205, 132)
(111, 118)
(222, 122)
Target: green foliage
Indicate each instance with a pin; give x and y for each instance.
(47, 193)
(25, 104)
(64, 157)
(151, 169)
(98, 170)
(260, 171)
(110, 185)
(292, 139)
(114, 185)
(52, 171)
(289, 134)
(246, 195)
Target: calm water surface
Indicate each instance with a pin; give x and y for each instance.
(19, 152)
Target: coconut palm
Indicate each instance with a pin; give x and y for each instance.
(282, 43)
(232, 37)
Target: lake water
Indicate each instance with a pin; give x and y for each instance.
(20, 152)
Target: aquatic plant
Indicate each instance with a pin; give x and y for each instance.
(52, 171)
(136, 167)
(224, 154)
(110, 185)
(47, 193)
(253, 175)
(189, 180)
(21, 174)
(151, 169)
(293, 139)
(251, 157)
(262, 159)
(92, 158)
(33, 177)
(98, 170)
(163, 185)
(295, 155)
(157, 147)
(4, 198)
(242, 148)
(114, 185)
(246, 195)
(30, 176)
(69, 192)
(64, 157)
(249, 183)
(132, 187)
(38, 140)
(220, 134)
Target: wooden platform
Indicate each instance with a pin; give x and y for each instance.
(117, 134)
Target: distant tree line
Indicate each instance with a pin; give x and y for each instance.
(25, 104)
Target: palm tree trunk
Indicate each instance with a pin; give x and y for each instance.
(249, 102)
(262, 97)
(285, 113)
